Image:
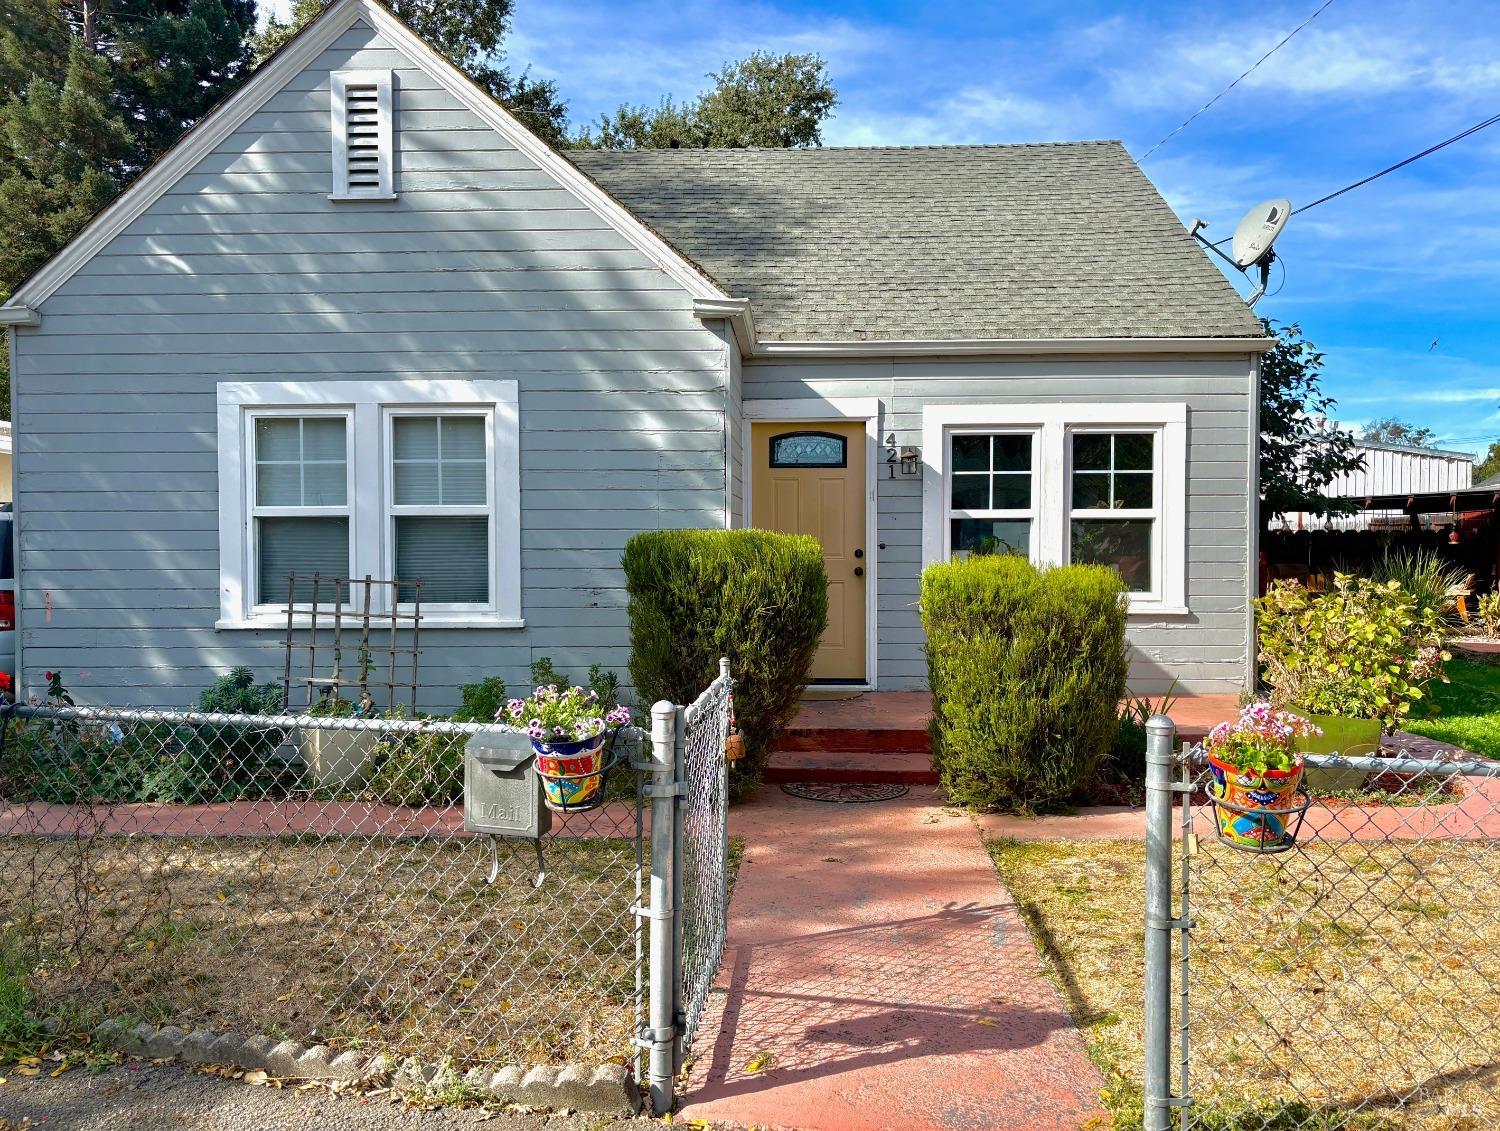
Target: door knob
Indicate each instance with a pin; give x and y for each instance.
(859, 553)
(859, 571)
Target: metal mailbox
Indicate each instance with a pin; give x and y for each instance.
(502, 794)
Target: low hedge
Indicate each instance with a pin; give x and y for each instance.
(759, 598)
(1027, 667)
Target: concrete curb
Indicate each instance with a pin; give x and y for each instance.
(605, 1089)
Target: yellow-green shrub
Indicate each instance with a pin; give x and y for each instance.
(1365, 650)
(1027, 667)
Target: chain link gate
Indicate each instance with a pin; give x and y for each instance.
(311, 878)
(689, 874)
(1345, 983)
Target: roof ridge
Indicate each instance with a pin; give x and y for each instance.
(956, 146)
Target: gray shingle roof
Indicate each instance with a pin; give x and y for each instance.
(1010, 241)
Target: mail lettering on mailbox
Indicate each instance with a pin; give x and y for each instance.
(502, 794)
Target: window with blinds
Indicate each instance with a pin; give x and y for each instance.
(363, 135)
(300, 504)
(440, 507)
(418, 480)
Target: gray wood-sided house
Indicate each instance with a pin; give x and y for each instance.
(361, 321)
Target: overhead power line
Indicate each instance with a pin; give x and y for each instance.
(1474, 129)
(1493, 119)
(1280, 44)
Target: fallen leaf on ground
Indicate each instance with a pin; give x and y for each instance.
(759, 1062)
(257, 1077)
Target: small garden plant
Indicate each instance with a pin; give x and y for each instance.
(1259, 740)
(1489, 614)
(551, 714)
(1365, 650)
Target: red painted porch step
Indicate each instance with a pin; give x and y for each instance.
(850, 767)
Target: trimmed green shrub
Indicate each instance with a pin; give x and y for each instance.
(757, 597)
(1027, 667)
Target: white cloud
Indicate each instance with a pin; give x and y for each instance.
(970, 115)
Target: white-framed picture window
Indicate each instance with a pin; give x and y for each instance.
(1086, 483)
(413, 480)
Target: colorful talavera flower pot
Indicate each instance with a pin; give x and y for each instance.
(572, 773)
(1254, 808)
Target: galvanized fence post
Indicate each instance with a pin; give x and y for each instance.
(1160, 732)
(661, 1033)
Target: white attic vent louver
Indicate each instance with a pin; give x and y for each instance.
(363, 154)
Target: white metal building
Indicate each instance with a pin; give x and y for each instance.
(1391, 469)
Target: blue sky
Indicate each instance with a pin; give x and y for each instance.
(1375, 277)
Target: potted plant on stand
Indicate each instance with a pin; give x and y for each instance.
(1354, 661)
(568, 731)
(1256, 774)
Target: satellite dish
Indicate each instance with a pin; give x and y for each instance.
(1258, 231)
(1252, 241)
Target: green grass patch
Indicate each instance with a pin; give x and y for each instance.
(1464, 711)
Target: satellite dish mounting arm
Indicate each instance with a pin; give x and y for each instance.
(1264, 262)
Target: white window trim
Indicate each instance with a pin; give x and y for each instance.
(339, 83)
(1053, 425)
(369, 405)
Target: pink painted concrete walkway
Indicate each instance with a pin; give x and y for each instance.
(876, 959)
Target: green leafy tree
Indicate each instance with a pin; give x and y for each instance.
(470, 36)
(771, 101)
(1392, 430)
(1489, 465)
(1301, 451)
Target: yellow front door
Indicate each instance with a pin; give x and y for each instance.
(810, 479)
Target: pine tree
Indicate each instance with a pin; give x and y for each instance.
(91, 91)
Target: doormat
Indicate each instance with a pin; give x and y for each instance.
(840, 793)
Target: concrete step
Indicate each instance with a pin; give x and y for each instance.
(851, 767)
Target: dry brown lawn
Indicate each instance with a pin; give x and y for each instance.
(397, 945)
(1338, 986)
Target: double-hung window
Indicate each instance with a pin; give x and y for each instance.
(440, 512)
(1113, 511)
(412, 480)
(991, 493)
(300, 502)
(1087, 483)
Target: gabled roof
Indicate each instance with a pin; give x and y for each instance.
(294, 57)
(970, 249)
(1057, 241)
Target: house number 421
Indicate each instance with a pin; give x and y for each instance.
(900, 460)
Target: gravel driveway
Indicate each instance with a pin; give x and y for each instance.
(137, 1096)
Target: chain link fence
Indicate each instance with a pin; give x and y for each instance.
(309, 878)
(702, 840)
(1346, 983)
